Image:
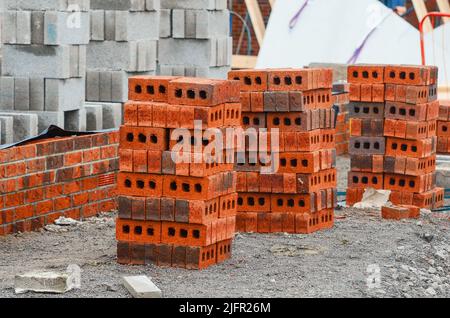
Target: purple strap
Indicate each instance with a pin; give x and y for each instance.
(359, 49)
(294, 20)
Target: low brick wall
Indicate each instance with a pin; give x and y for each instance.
(73, 177)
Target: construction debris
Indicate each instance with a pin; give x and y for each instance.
(373, 199)
(141, 287)
(44, 282)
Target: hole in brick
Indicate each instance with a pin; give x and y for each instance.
(298, 80)
(402, 75)
(366, 110)
(402, 183)
(128, 183)
(154, 139)
(140, 184)
(126, 229)
(276, 80)
(393, 110)
(283, 162)
(404, 147)
(276, 121)
(298, 121)
(162, 89)
(150, 90)
(394, 146)
(152, 185)
(196, 234)
(183, 233)
(367, 145)
(287, 121)
(261, 201)
(392, 181)
(375, 74)
(376, 110)
(258, 80)
(355, 74)
(412, 76)
(142, 138)
(237, 78)
(412, 184)
(357, 110)
(355, 179)
(130, 137)
(444, 128)
(203, 94)
(186, 187)
(256, 121)
(171, 231)
(288, 80)
(294, 163)
(290, 203)
(301, 203)
(251, 201)
(414, 148)
(198, 188)
(190, 94)
(305, 163)
(357, 145)
(178, 93)
(365, 180)
(173, 186)
(138, 89)
(412, 112)
(280, 202)
(365, 74)
(247, 80)
(150, 231)
(376, 145)
(240, 201)
(374, 180)
(138, 230)
(392, 74)
(246, 120)
(402, 111)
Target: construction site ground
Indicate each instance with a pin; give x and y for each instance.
(398, 258)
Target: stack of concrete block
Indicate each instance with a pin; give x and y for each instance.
(123, 43)
(341, 100)
(44, 64)
(200, 27)
(443, 129)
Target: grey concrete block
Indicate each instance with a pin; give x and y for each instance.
(6, 130)
(194, 4)
(112, 115)
(134, 56)
(93, 85)
(97, 25)
(119, 86)
(21, 93)
(132, 26)
(110, 25)
(123, 5)
(38, 61)
(152, 5)
(25, 125)
(23, 33)
(64, 95)
(94, 116)
(106, 86)
(47, 5)
(78, 60)
(141, 287)
(178, 23)
(37, 27)
(9, 27)
(200, 24)
(37, 94)
(66, 28)
(7, 93)
(75, 120)
(165, 23)
(47, 118)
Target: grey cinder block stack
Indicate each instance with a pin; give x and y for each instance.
(43, 64)
(195, 38)
(123, 43)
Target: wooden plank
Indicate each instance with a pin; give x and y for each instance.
(257, 19)
(421, 12)
(243, 61)
(444, 7)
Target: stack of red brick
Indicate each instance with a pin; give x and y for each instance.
(393, 114)
(443, 130)
(43, 180)
(180, 214)
(341, 100)
(300, 196)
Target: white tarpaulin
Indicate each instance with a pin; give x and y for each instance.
(330, 31)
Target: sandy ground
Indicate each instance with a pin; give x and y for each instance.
(399, 259)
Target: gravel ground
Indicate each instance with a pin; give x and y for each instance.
(412, 258)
